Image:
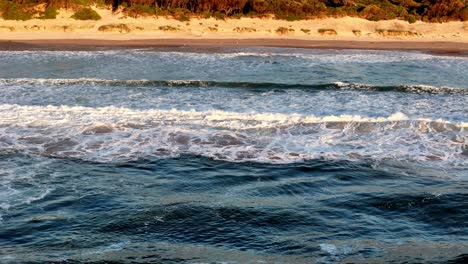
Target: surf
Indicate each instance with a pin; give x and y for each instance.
(248, 85)
(117, 133)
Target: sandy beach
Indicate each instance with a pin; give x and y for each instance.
(118, 30)
(445, 48)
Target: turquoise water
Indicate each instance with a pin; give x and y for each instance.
(233, 155)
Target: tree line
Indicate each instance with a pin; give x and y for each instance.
(411, 10)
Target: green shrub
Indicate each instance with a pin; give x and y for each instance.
(291, 17)
(371, 12)
(13, 11)
(86, 14)
(411, 19)
(206, 14)
(49, 13)
(180, 14)
(121, 28)
(219, 16)
(139, 10)
(183, 18)
(240, 15)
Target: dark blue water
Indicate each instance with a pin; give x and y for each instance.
(233, 156)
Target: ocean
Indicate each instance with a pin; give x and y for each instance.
(233, 155)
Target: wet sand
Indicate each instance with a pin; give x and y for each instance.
(448, 48)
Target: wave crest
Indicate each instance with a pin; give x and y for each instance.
(117, 134)
(251, 85)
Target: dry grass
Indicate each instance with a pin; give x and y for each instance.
(284, 30)
(244, 30)
(6, 28)
(396, 33)
(327, 32)
(121, 28)
(168, 28)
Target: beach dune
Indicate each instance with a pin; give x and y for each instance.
(347, 32)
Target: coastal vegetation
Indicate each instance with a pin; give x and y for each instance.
(327, 31)
(50, 12)
(396, 33)
(284, 30)
(168, 28)
(410, 10)
(357, 32)
(121, 28)
(86, 14)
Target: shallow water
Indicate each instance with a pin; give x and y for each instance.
(233, 155)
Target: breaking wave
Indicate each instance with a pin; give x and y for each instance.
(249, 85)
(120, 134)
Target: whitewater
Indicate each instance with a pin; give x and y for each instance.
(233, 155)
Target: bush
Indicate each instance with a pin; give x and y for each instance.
(289, 17)
(464, 14)
(244, 30)
(121, 28)
(357, 32)
(138, 9)
(168, 28)
(327, 31)
(13, 11)
(180, 14)
(219, 15)
(184, 18)
(86, 14)
(371, 12)
(284, 30)
(206, 14)
(49, 13)
(411, 19)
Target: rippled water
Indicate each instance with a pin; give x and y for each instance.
(233, 155)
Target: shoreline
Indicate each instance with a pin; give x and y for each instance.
(444, 48)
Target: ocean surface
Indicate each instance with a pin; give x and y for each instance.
(223, 155)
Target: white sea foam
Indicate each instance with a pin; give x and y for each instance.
(417, 88)
(338, 56)
(329, 248)
(118, 134)
(40, 196)
(12, 194)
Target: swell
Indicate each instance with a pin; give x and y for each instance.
(117, 134)
(248, 85)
